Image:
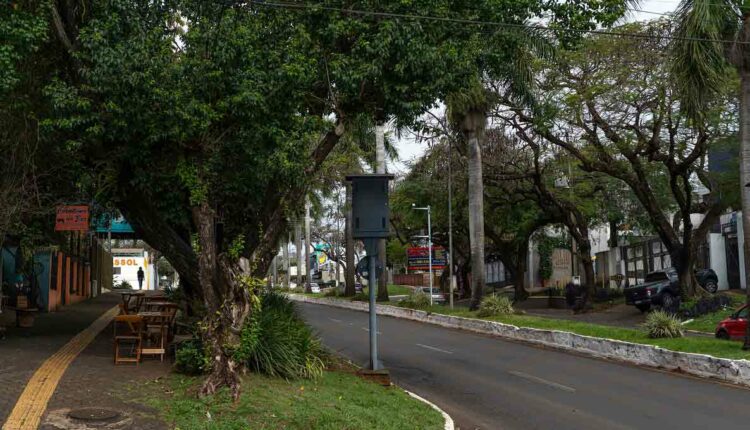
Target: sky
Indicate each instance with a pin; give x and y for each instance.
(410, 150)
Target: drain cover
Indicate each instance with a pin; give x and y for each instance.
(93, 414)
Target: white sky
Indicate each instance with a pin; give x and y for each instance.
(410, 150)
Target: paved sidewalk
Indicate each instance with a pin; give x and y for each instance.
(91, 380)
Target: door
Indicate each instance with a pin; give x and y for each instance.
(733, 261)
(736, 327)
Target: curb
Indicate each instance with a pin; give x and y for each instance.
(448, 420)
(700, 365)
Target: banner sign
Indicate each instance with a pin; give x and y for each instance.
(72, 218)
(418, 258)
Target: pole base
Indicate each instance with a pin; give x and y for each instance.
(380, 377)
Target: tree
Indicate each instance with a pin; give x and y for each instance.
(612, 106)
(712, 38)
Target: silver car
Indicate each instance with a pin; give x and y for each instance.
(437, 295)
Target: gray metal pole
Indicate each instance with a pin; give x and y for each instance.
(308, 244)
(373, 287)
(450, 224)
(429, 248)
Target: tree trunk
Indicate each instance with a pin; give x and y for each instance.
(287, 277)
(473, 128)
(380, 169)
(308, 245)
(350, 263)
(300, 252)
(745, 164)
(227, 303)
(519, 272)
(682, 260)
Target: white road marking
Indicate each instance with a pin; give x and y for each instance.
(335, 320)
(367, 329)
(435, 349)
(542, 381)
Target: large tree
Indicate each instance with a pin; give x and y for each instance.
(612, 106)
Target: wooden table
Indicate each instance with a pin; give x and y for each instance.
(159, 319)
(127, 295)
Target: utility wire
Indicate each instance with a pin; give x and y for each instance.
(306, 6)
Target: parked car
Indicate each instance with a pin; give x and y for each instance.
(315, 288)
(437, 295)
(358, 287)
(662, 288)
(734, 326)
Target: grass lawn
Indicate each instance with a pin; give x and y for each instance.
(395, 290)
(338, 400)
(700, 345)
(708, 322)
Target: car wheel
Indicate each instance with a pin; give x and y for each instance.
(711, 287)
(669, 303)
(644, 307)
(722, 334)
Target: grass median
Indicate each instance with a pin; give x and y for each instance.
(698, 345)
(337, 400)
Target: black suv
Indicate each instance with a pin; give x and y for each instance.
(662, 288)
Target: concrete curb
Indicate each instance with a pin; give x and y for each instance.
(448, 420)
(705, 366)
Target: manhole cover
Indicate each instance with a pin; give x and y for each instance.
(93, 414)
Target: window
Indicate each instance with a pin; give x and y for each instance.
(743, 313)
(116, 270)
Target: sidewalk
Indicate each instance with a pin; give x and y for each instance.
(91, 380)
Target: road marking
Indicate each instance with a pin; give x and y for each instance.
(335, 320)
(435, 349)
(542, 381)
(367, 329)
(28, 411)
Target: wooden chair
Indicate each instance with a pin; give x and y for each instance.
(131, 332)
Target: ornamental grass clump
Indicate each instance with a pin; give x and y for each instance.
(495, 305)
(660, 324)
(416, 300)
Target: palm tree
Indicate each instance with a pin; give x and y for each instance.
(712, 37)
(467, 111)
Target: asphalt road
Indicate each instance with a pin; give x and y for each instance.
(487, 383)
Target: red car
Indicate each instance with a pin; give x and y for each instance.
(734, 326)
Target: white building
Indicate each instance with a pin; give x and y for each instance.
(125, 265)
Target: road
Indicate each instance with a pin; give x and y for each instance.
(487, 383)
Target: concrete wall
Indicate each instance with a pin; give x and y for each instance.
(718, 256)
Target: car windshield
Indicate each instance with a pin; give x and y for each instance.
(656, 276)
(427, 290)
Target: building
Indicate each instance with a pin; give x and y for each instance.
(125, 265)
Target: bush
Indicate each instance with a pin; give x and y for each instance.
(416, 300)
(331, 293)
(495, 305)
(696, 307)
(191, 358)
(124, 285)
(660, 324)
(277, 342)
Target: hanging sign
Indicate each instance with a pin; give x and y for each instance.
(72, 218)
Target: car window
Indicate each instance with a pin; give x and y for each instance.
(743, 313)
(656, 276)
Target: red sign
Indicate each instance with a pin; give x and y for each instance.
(418, 258)
(72, 218)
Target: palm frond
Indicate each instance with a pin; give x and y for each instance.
(699, 53)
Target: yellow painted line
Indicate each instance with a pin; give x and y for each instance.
(28, 411)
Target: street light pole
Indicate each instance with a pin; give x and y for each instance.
(450, 223)
(429, 242)
(429, 248)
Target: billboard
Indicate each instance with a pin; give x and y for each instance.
(418, 258)
(72, 218)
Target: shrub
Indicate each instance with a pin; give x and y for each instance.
(360, 297)
(495, 305)
(277, 342)
(416, 300)
(124, 285)
(191, 358)
(332, 292)
(660, 324)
